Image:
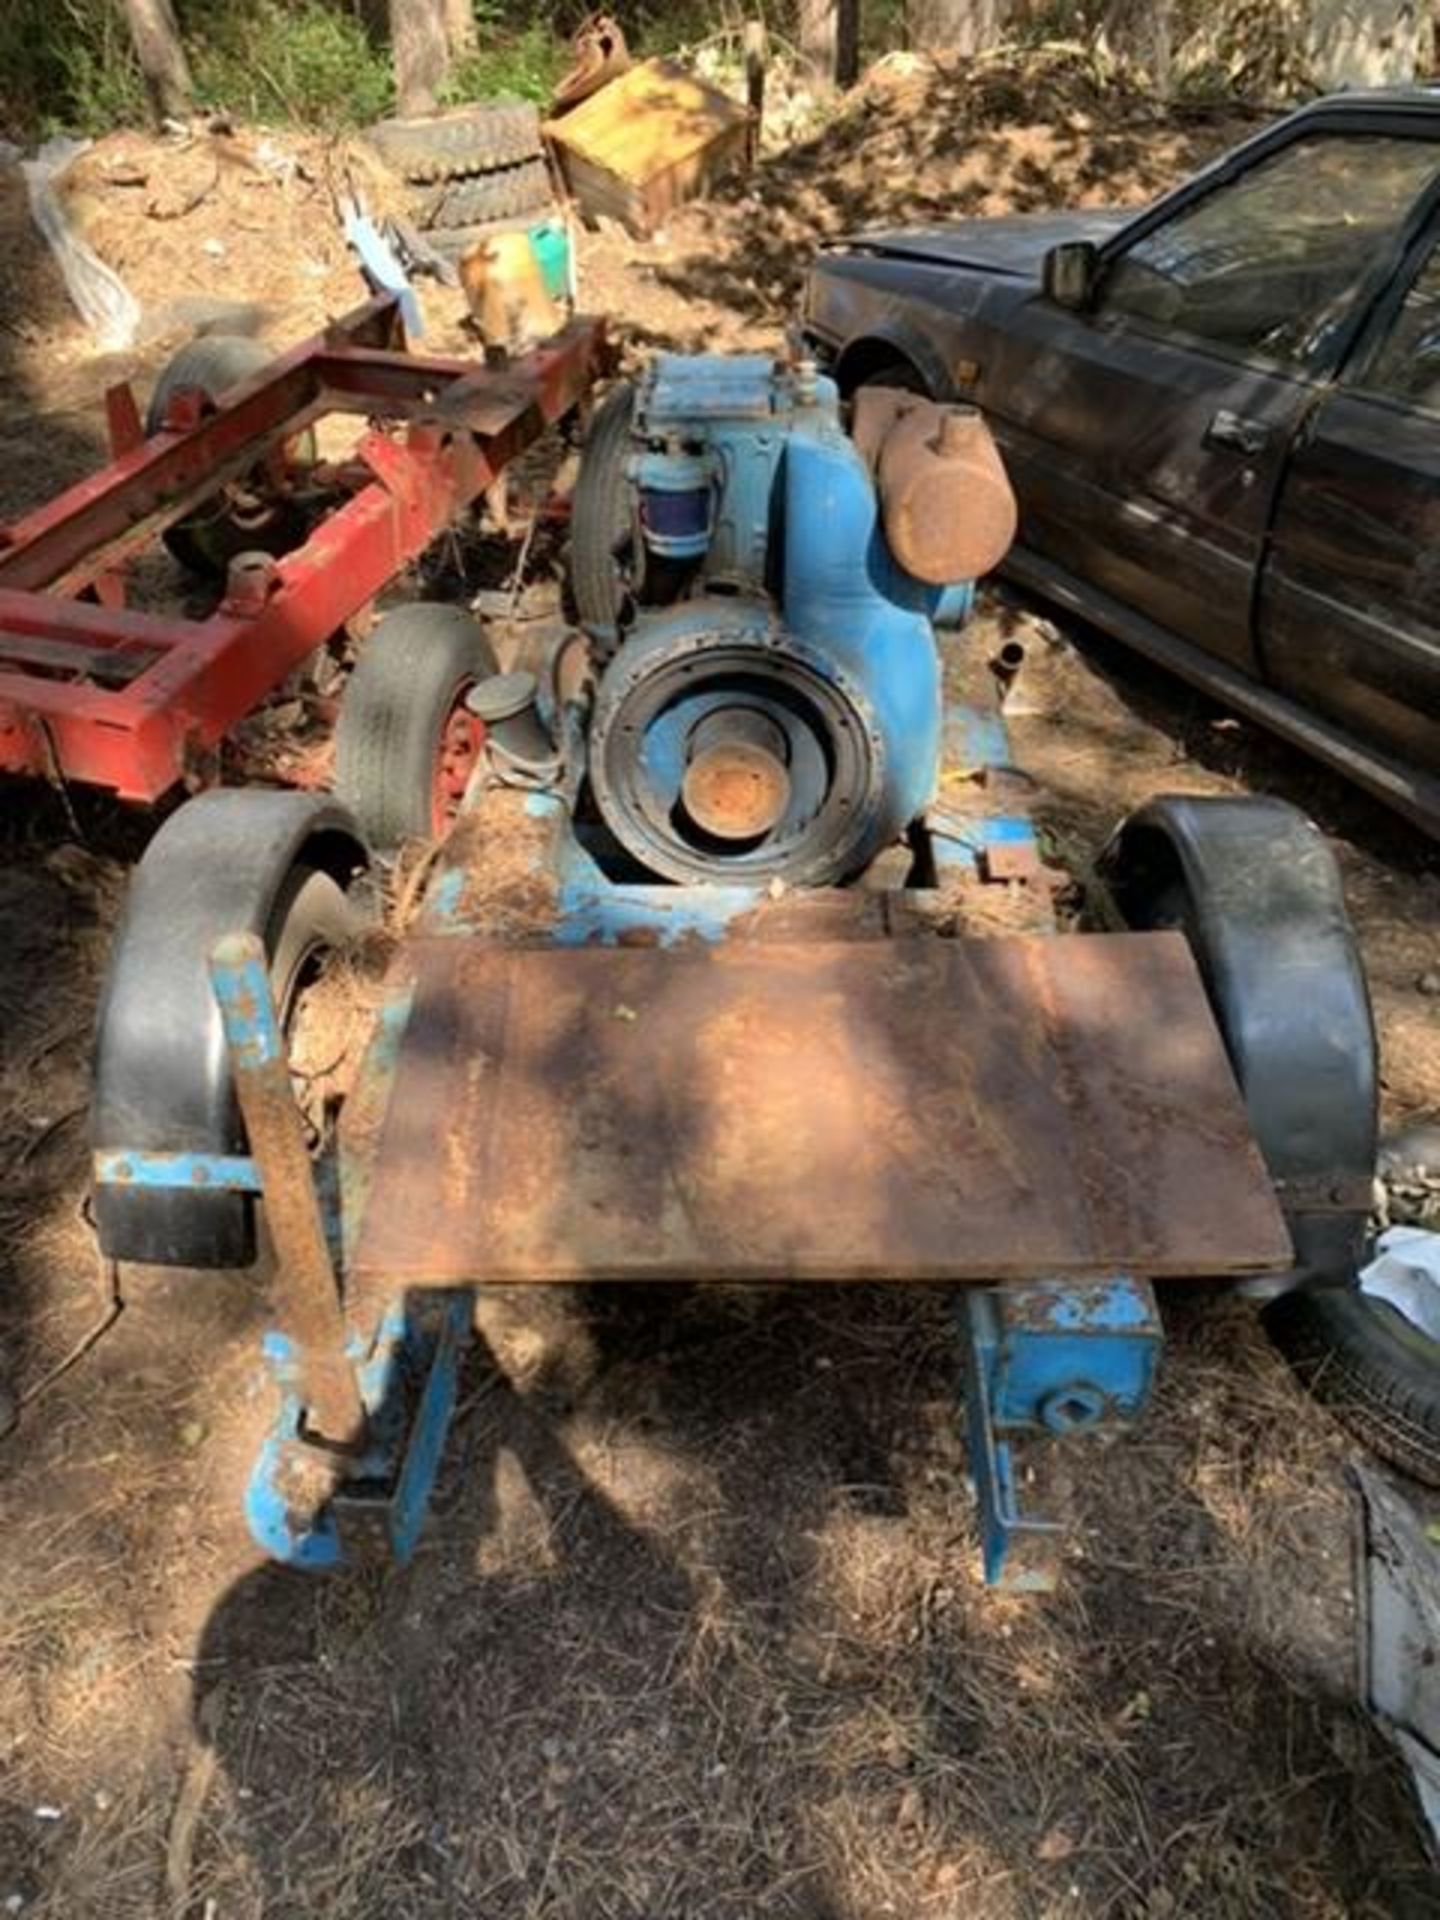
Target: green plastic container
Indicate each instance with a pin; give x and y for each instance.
(550, 243)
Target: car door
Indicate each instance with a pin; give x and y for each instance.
(1148, 435)
(1349, 613)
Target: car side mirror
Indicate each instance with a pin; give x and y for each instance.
(1071, 274)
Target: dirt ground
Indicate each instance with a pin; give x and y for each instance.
(697, 1630)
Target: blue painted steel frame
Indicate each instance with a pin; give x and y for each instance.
(408, 1382)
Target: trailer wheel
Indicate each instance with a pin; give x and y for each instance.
(277, 864)
(454, 145)
(248, 516)
(602, 536)
(406, 744)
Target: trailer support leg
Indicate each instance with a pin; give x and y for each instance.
(1050, 1357)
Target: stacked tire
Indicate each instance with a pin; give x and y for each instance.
(469, 169)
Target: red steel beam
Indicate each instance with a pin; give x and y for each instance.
(141, 738)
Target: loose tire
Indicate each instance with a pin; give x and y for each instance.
(1376, 1372)
(503, 195)
(602, 538)
(454, 145)
(276, 864)
(405, 743)
(208, 539)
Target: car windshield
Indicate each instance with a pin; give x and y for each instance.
(1271, 261)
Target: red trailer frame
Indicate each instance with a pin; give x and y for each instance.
(94, 691)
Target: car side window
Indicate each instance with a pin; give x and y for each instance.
(1406, 364)
(1268, 264)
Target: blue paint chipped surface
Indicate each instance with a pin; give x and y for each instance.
(407, 1380)
(202, 1172)
(594, 910)
(1047, 1357)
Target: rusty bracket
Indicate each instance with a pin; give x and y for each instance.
(306, 1296)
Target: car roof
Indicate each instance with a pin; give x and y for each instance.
(1421, 99)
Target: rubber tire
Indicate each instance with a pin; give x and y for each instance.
(1375, 1372)
(453, 243)
(899, 376)
(504, 195)
(312, 915)
(404, 686)
(455, 145)
(203, 543)
(601, 518)
(277, 864)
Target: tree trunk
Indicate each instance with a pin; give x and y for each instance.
(1365, 43)
(421, 52)
(161, 56)
(1143, 31)
(956, 26)
(460, 28)
(829, 34)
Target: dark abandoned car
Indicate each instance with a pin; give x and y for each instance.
(1221, 416)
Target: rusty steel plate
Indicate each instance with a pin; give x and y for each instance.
(916, 1109)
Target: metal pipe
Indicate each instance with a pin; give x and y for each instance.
(1005, 665)
(306, 1297)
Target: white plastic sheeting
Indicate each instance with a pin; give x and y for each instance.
(1405, 1272)
(101, 298)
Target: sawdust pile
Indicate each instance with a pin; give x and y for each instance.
(924, 141)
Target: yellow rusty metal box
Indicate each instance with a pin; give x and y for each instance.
(648, 142)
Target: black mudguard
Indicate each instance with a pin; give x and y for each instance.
(1254, 886)
(162, 1079)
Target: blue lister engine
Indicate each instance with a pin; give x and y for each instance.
(761, 588)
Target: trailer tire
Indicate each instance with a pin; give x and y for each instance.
(454, 145)
(405, 743)
(276, 864)
(601, 525)
(504, 195)
(208, 539)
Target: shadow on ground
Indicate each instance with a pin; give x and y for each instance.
(697, 1632)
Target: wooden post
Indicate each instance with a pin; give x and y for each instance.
(847, 42)
(161, 55)
(757, 53)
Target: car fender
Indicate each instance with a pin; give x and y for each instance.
(889, 340)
